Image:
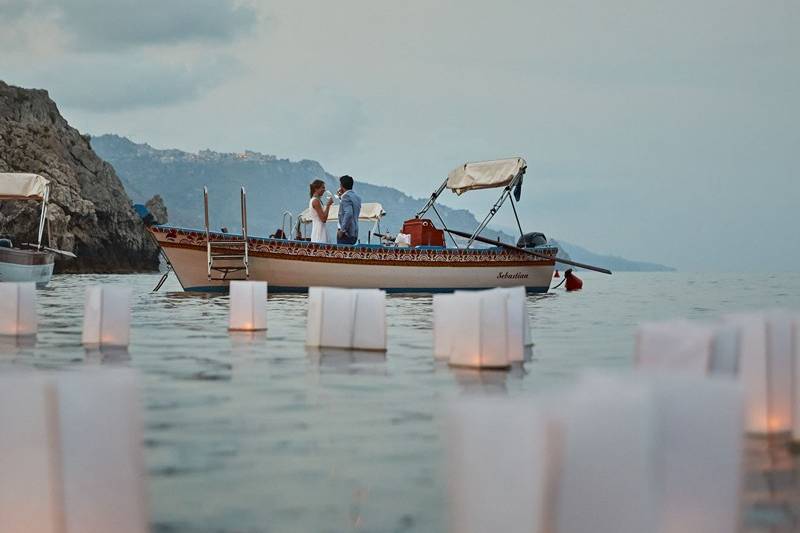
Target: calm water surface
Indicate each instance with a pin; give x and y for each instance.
(256, 433)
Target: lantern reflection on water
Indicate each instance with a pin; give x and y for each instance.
(248, 311)
(346, 318)
(107, 316)
(18, 309)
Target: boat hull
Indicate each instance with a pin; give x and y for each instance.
(26, 266)
(293, 266)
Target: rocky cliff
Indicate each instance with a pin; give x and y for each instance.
(90, 213)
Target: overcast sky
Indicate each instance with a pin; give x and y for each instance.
(661, 131)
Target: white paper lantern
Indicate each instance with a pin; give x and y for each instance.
(688, 346)
(675, 345)
(107, 316)
(482, 341)
(30, 492)
(497, 455)
(606, 469)
(796, 352)
(18, 309)
(70, 453)
(248, 311)
(661, 454)
(768, 370)
(346, 318)
(101, 455)
(518, 311)
(699, 454)
(446, 325)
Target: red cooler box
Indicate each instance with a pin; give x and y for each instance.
(423, 232)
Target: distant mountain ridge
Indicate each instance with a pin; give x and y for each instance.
(273, 186)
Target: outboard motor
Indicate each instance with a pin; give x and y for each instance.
(531, 240)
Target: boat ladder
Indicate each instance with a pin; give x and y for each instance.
(227, 256)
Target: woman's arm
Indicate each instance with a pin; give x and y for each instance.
(323, 213)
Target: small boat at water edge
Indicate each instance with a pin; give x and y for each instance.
(29, 262)
(207, 261)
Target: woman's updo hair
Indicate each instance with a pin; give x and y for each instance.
(316, 184)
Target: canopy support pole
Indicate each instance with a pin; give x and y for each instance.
(497, 205)
(43, 217)
(444, 226)
(432, 199)
(516, 216)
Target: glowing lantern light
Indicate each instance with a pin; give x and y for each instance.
(70, 453)
(482, 341)
(769, 370)
(107, 316)
(248, 310)
(18, 309)
(346, 318)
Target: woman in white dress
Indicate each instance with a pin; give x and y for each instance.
(319, 214)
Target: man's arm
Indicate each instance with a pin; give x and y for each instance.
(346, 209)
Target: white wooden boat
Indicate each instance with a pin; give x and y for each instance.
(31, 262)
(207, 261)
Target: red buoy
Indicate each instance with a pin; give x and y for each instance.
(573, 283)
(556, 275)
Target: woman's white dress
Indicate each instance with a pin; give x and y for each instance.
(319, 233)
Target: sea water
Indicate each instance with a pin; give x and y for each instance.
(255, 433)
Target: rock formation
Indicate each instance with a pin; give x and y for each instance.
(90, 214)
(157, 208)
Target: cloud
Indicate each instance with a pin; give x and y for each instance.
(102, 25)
(103, 84)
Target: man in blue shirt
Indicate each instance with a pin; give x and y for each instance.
(349, 209)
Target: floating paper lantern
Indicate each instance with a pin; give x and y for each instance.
(103, 463)
(482, 341)
(346, 318)
(481, 329)
(70, 453)
(18, 309)
(699, 454)
(248, 311)
(661, 454)
(446, 324)
(605, 483)
(687, 346)
(675, 345)
(107, 316)
(518, 325)
(497, 454)
(769, 370)
(29, 487)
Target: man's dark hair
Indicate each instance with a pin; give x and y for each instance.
(346, 182)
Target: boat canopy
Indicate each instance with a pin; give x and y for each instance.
(485, 174)
(18, 186)
(372, 211)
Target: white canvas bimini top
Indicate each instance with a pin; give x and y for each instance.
(484, 174)
(369, 211)
(17, 186)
